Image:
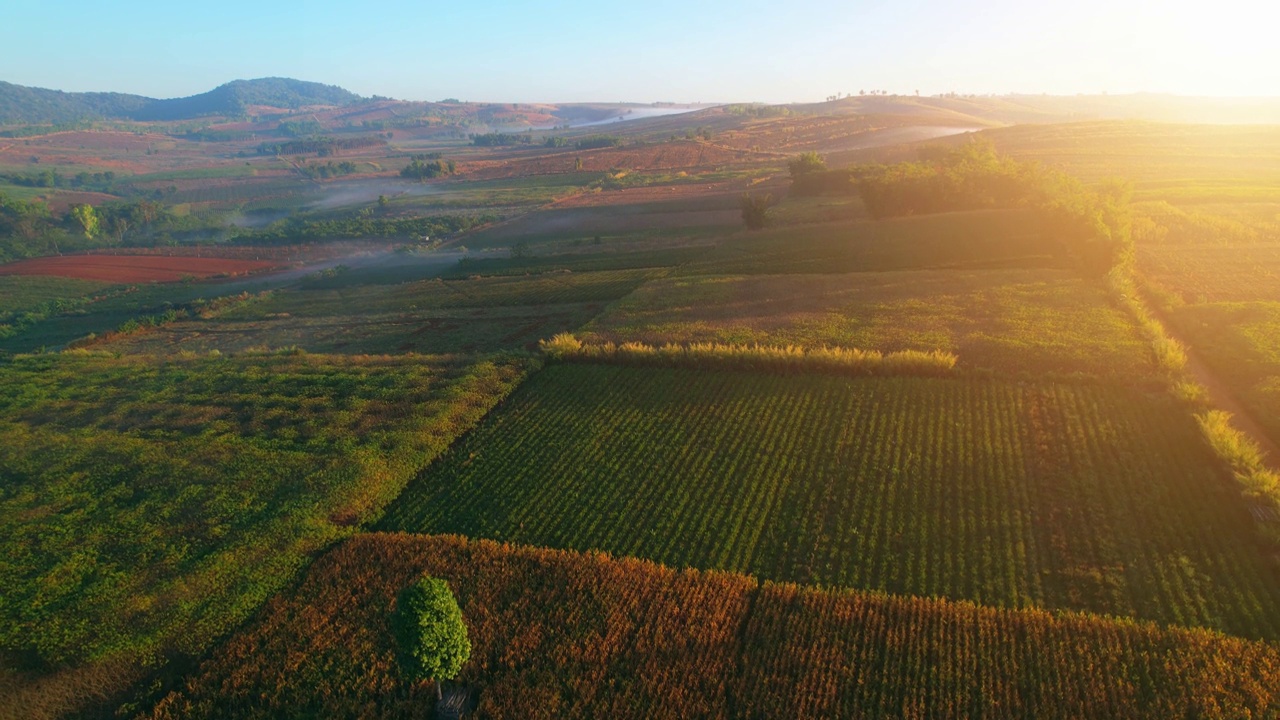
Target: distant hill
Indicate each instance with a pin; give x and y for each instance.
(27, 105)
(1020, 109)
(19, 104)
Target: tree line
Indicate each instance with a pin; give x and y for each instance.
(1091, 222)
(321, 146)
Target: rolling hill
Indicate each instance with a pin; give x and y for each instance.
(28, 105)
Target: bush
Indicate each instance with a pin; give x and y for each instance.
(755, 210)
(806, 164)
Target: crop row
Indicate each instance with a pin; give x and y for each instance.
(1078, 497)
(559, 634)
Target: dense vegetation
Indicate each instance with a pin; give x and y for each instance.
(425, 167)
(1080, 497)
(1092, 223)
(322, 146)
(498, 139)
(28, 228)
(151, 505)
(559, 634)
(304, 228)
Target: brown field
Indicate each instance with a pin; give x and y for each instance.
(133, 268)
(559, 634)
(60, 201)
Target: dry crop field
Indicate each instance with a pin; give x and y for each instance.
(559, 634)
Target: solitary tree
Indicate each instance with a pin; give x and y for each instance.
(806, 163)
(755, 210)
(430, 632)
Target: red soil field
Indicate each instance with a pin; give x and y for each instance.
(59, 201)
(133, 268)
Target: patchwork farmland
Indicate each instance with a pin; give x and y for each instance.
(920, 438)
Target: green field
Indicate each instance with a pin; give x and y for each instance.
(1063, 496)
(1241, 342)
(150, 505)
(989, 238)
(1213, 273)
(1028, 322)
(110, 307)
(425, 331)
(429, 316)
(40, 294)
(1156, 156)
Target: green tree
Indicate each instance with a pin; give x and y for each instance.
(806, 164)
(430, 632)
(87, 218)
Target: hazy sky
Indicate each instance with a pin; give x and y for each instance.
(655, 50)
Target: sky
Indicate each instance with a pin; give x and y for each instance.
(651, 51)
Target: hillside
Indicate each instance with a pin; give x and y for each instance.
(27, 105)
(1016, 109)
(20, 104)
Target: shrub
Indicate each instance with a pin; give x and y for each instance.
(755, 210)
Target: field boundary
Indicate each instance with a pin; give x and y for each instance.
(778, 359)
(1213, 405)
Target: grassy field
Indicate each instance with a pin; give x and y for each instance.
(428, 316)
(1012, 321)
(558, 634)
(1213, 273)
(36, 293)
(424, 331)
(110, 308)
(584, 258)
(1075, 497)
(151, 505)
(1156, 156)
(951, 240)
(556, 226)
